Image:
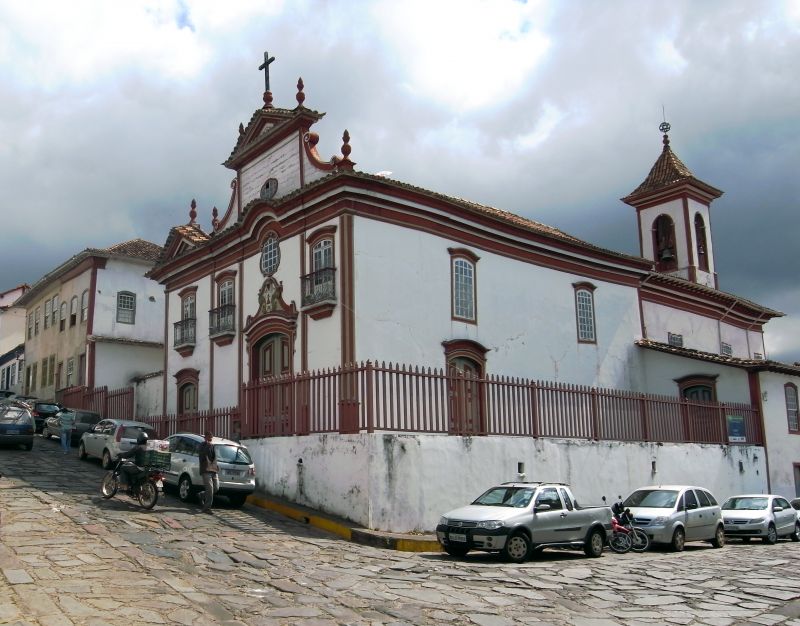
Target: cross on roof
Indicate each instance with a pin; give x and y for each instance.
(265, 66)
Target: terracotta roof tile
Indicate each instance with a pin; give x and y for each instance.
(137, 249)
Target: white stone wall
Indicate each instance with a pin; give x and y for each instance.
(525, 313)
(281, 163)
(783, 446)
(120, 275)
(116, 365)
(148, 397)
(12, 328)
(699, 332)
(401, 483)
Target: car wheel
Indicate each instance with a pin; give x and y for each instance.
(518, 547)
(106, 460)
(185, 489)
(795, 536)
(678, 542)
(594, 544)
(455, 550)
(719, 538)
(82, 452)
(772, 535)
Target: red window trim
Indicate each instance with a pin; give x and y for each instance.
(694, 380)
(187, 291)
(326, 232)
(471, 257)
(465, 348)
(590, 287)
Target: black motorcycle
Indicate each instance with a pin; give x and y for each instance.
(146, 484)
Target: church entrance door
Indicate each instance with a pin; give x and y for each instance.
(466, 403)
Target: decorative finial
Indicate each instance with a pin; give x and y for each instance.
(664, 128)
(267, 93)
(300, 95)
(215, 218)
(241, 129)
(345, 162)
(192, 211)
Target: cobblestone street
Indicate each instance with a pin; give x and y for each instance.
(70, 557)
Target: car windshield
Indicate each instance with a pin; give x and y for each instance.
(518, 497)
(652, 498)
(228, 453)
(47, 408)
(12, 414)
(132, 432)
(746, 504)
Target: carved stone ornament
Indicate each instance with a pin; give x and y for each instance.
(269, 189)
(270, 297)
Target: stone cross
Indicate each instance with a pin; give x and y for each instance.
(265, 66)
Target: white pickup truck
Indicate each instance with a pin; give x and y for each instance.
(519, 518)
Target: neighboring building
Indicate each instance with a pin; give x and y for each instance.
(12, 337)
(95, 320)
(315, 265)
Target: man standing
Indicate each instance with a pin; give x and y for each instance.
(208, 470)
(67, 424)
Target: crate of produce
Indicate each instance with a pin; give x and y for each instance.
(156, 459)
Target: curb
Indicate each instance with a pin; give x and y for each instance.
(373, 538)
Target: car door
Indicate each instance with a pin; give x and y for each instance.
(694, 516)
(572, 523)
(91, 442)
(709, 513)
(173, 473)
(784, 519)
(547, 524)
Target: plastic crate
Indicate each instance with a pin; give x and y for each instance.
(156, 460)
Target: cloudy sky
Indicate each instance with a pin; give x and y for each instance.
(114, 115)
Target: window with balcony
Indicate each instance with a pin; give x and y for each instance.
(584, 312)
(126, 307)
(85, 305)
(463, 301)
(319, 286)
(222, 320)
(185, 330)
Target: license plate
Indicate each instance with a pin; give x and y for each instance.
(233, 473)
(457, 537)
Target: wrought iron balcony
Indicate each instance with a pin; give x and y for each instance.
(319, 287)
(222, 320)
(185, 332)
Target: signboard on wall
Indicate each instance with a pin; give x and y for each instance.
(736, 430)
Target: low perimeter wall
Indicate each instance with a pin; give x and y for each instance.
(405, 482)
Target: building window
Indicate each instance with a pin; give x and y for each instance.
(698, 388)
(126, 307)
(82, 369)
(221, 319)
(270, 255)
(462, 282)
(44, 373)
(85, 305)
(584, 312)
(664, 244)
(47, 313)
(30, 325)
(70, 371)
(675, 340)
(54, 311)
(725, 349)
(790, 391)
(73, 311)
(63, 317)
(185, 329)
(34, 372)
(36, 316)
(187, 381)
(319, 286)
(758, 356)
(702, 244)
(51, 370)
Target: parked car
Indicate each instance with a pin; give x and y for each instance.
(84, 420)
(237, 474)
(516, 519)
(42, 410)
(106, 439)
(796, 506)
(675, 514)
(6, 393)
(768, 517)
(16, 424)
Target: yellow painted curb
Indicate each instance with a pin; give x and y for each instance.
(313, 520)
(417, 545)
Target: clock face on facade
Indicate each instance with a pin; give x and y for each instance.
(269, 189)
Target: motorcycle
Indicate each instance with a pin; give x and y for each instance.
(620, 540)
(623, 520)
(145, 488)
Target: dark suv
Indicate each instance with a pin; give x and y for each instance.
(41, 410)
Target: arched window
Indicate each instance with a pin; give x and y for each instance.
(584, 312)
(85, 305)
(63, 321)
(790, 391)
(73, 311)
(664, 244)
(270, 255)
(702, 244)
(463, 302)
(187, 382)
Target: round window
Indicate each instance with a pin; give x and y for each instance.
(270, 256)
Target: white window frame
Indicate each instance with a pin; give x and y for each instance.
(463, 272)
(126, 307)
(270, 255)
(585, 313)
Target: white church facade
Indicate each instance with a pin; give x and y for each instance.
(318, 274)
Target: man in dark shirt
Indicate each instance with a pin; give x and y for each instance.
(208, 470)
(131, 470)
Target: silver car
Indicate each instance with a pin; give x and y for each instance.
(237, 474)
(109, 437)
(768, 517)
(675, 514)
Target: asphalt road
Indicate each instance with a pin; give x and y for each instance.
(68, 556)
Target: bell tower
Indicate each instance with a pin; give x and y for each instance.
(673, 209)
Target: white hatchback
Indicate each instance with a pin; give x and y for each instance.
(110, 437)
(765, 516)
(237, 474)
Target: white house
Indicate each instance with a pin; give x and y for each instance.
(315, 265)
(95, 320)
(12, 338)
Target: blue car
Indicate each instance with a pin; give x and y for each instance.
(16, 424)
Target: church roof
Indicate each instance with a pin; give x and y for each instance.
(668, 171)
(181, 239)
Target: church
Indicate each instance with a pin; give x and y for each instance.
(387, 351)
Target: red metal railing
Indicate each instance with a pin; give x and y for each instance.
(114, 404)
(222, 422)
